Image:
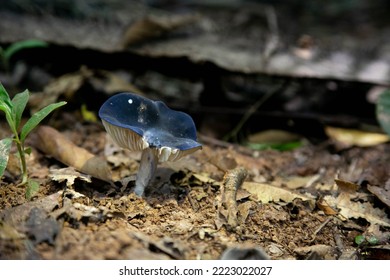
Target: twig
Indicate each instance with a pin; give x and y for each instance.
(314, 235)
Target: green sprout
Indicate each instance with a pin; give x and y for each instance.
(7, 53)
(362, 240)
(13, 110)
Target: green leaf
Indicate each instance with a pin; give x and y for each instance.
(32, 189)
(18, 46)
(383, 111)
(28, 150)
(37, 118)
(5, 146)
(359, 239)
(7, 107)
(19, 103)
(372, 240)
(4, 99)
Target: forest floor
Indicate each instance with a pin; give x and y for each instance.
(292, 205)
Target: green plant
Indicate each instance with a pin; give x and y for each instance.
(364, 241)
(383, 111)
(7, 53)
(13, 110)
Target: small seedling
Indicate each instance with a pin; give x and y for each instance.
(13, 110)
(362, 240)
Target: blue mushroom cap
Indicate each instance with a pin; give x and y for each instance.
(136, 123)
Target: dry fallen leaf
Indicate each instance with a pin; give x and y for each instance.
(273, 136)
(17, 216)
(295, 182)
(54, 144)
(322, 251)
(69, 175)
(8, 232)
(351, 209)
(352, 137)
(200, 179)
(383, 194)
(324, 206)
(346, 186)
(173, 248)
(267, 193)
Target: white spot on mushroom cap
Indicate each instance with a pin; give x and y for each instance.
(130, 101)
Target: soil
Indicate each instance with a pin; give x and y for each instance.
(181, 217)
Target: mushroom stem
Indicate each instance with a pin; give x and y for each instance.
(146, 170)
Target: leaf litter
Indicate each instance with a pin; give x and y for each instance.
(188, 213)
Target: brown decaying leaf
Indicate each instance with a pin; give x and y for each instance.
(8, 232)
(322, 251)
(324, 206)
(268, 193)
(383, 194)
(352, 137)
(296, 182)
(350, 209)
(17, 216)
(346, 186)
(173, 248)
(69, 175)
(273, 136)
(54, 144)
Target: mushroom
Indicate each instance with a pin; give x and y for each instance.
(140, 124)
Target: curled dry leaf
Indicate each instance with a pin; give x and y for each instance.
(352, 137)
(324, 206)
(232, 181)
(54, 144)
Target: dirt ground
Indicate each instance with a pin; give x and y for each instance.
(185, 213)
